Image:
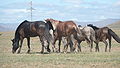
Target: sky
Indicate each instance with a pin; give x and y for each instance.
(16, 11)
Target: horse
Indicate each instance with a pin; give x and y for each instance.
(63, 29)
(102, 34)
(88, 35)
(29, 29)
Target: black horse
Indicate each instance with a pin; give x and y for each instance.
(29, 29)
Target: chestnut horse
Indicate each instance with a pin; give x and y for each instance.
(102, 34)
(29, 29)
(63, 29)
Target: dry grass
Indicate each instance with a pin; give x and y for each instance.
(84, 59)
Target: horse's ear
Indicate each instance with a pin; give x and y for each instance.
(12, 40)
(45, 19)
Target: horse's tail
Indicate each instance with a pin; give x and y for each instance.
(114, 35)
(48, 36)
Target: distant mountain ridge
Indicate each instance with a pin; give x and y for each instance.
(102, 23)
(8, 26)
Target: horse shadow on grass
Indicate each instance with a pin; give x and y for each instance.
(38, 53)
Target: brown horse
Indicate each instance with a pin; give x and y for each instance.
(29, 29)
(102, 34)
(63, 29)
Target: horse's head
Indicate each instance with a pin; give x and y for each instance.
(15, 45)
(49, 24)
(90, 25)
(53, 22)
(94, 27)
(79, 26)
(50, 20)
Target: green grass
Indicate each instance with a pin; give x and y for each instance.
(84, 59)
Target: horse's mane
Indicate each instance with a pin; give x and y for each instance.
(79, 26)
(20, 25)
(94, 27)
(60, 21)
(16, 32)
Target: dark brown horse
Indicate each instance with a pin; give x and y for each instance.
(63, 29)
(29, 29)
(102, 34)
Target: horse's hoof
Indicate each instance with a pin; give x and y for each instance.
(57, 51)
(28, 51)
(49, 50)
(41, 52)
(18, 52)
(73, 49)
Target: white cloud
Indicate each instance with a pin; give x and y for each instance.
(13, 11)
(52, 12)
(73, 1)
(117, 3)
(102, 17)
(74, 19)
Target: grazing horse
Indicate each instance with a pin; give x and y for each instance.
(88, 35)
(63, 29)
(29, 29)
(102, 34)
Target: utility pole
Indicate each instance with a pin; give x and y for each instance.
(31, 10)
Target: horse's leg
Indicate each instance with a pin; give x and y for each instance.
(75, 46)
(66, 46)
(20, 46)
(28, 43)
(41, 39)
(106, 44)
(71, 45)
(79, 46)
(48, 49)
(59, 44)
(97, 47)
(53, 47)
(109, 44)
(91, 45)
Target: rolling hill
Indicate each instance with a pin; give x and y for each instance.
(102, 23)
(8, 26)
(115, 25)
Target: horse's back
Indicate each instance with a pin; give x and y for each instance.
(103, 30)
(69, 22)
(89, 32)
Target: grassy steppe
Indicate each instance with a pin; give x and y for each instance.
(84, 59)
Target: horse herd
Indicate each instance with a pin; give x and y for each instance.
(66, 31)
